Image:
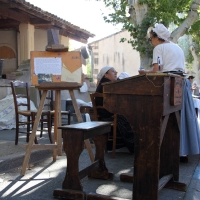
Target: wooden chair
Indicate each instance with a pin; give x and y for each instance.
(28, 113)
(114, 136)
(49, 104)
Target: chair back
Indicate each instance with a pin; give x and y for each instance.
(20, 90)
(93, 96)
(113, 137)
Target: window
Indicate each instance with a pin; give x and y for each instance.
(96, 61)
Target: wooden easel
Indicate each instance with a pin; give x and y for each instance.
(57, 146)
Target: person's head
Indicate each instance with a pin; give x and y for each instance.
(191, 78)
(159, 34)
(107, 72)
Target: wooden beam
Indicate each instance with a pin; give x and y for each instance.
(67, 33)
(14, 15)
(39, 21)
(34, 11)
(28, 13)
(41, 146)
(9, 24)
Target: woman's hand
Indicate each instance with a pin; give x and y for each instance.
(142, 71)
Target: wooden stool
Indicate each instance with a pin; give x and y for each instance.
(73, 144)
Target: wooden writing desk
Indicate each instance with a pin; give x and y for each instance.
(151, 103)
(73, 137)
(57, 146)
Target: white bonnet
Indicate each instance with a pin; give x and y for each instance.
(102, 72)
(162, 32)
(123, 75)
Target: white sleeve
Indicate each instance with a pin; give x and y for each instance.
(157, 54)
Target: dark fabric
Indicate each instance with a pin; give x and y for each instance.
(123, 126)
(124, 130)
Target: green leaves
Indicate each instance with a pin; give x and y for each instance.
(158, 11)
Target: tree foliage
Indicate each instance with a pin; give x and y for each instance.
(158, 11)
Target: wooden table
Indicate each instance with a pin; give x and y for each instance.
(57, 146)
(151, 103)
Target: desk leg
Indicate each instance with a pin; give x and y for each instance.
(57, 122)
(154, 160)
(73, 150)
(169, 155)
(101, 172)
(79, 117)
(73, 145)
(33, 134)
(146, 175)
(147, 159)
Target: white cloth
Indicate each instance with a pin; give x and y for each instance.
(7, 112)
(162, 32)
(123, 75)
(171, 57)
(197, 105)
(87, 117)
(84, 87)
(82, 103)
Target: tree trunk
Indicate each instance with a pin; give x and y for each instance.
(190, 19)
(137, 13)
(195, 63)
(146, 62)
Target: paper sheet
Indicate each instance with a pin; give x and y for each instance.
(48, 65)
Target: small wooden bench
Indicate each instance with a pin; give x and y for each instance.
(73, 144)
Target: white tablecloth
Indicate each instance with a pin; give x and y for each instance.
(7, 112)
(197, 105)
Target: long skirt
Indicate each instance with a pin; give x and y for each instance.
(124, 130)
(190, 132)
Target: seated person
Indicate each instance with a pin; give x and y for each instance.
(169, 57)
(107, 74)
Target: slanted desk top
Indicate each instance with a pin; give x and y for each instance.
(155, 85)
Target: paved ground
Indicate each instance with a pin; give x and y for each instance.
(44, 176)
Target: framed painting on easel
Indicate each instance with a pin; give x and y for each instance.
(56, 67)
